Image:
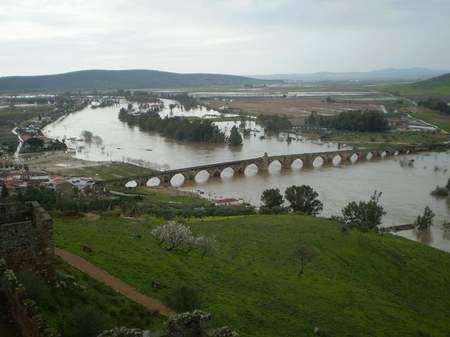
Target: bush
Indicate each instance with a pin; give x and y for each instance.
(424, 222)
(85, 322)
(364, 215)
(35, 287)
(183, 298)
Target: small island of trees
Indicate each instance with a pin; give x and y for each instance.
(180, 128)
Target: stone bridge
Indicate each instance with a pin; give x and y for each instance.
(303, 160)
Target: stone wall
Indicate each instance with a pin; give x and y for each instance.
(23, 310)
(26, 232)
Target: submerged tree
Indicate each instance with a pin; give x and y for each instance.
(303, 199)
(87, 136)
(235, 137)
(423, 222)
(364, 214)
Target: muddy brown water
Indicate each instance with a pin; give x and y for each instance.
(406, 189)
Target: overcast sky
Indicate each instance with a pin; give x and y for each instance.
(223, 36)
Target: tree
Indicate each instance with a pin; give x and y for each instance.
(303, 254)
(174, 235)
(424, 222)
(235, 137)
(303, 199)
(87, 136)
(271, 199)
(448, 184)
(364, 214)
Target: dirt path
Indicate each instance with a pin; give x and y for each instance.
(113, 282)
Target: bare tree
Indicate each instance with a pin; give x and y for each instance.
(303, 254)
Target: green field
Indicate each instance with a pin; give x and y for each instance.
(164, 195)
(435, 87)
(357, 284)
(412, 90)
(439, 119)
(106, 171)
(380, 139)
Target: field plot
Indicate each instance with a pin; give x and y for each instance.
(295, 108)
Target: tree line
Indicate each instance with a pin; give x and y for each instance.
(363, 215)
(274, 123)
(435, 104)
(360, 121)
(180, 128)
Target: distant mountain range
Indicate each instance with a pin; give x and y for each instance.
(119, 79)
(410, 74)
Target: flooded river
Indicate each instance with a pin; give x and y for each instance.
(406, 189)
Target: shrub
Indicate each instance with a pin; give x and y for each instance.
(35, 287)
(424, 222)
(183, 298)
(85, 322)
(364, 214)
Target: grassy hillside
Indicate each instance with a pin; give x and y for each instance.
(437, 86)
(358, 284)
(117, 79)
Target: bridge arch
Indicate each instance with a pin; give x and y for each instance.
(227, 173)
(153, 182)
(131, 184)
(202, 176)
(177, 179)
(297, 164)
(318, 161)
(337, 160)
(251, 170)
(354, 158)
(275, 166)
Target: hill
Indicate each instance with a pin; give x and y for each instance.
(357, 284)
(442, 81)
(118, 79)
(410, 74)
(436, 86)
